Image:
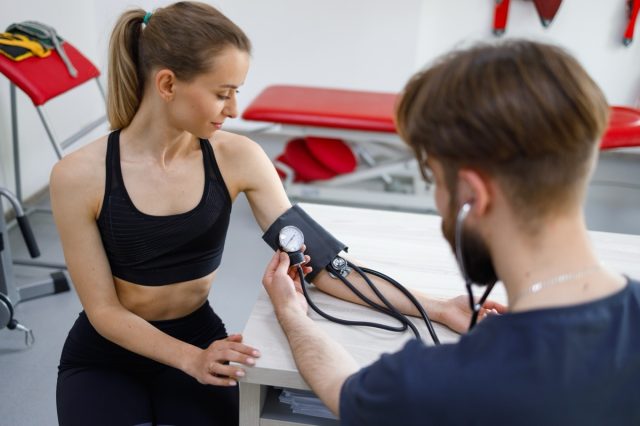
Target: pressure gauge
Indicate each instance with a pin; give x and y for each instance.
(291, 240)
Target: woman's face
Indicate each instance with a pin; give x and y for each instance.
(201, 105)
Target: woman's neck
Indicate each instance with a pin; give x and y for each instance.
(150, 133)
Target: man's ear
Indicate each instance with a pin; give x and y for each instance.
(475, 188)
(165, 82)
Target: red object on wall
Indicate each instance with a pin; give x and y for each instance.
(633, 7)
(500, 16)
(547, 10)
(623, 130)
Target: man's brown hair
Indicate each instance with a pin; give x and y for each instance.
(522, 112)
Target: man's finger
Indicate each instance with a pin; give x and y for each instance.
(283, 266)
(490, 304)
(273, 263)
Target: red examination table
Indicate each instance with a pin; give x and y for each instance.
(381, 172)
(365, 121)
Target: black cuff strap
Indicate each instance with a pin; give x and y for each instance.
(321, 245)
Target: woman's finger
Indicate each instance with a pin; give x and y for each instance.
(230, 371)
(211, 379)
(234, 338)
(243, 349)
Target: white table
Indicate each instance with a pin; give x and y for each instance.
(408, 247)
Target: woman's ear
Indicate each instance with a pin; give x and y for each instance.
(165, 81)
(474, 188)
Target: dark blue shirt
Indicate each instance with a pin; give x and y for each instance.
(577, 365)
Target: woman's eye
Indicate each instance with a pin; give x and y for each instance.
(227, 96)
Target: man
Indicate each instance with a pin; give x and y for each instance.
(510, 135)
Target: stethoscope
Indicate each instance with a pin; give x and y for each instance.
(291, 240)
(475, 306)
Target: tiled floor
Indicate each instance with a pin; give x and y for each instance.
(28, 375)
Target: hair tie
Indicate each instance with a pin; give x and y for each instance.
(146, 18)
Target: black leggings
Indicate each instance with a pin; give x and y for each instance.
(101, 383)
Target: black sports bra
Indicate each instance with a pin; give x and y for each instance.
(160, 250)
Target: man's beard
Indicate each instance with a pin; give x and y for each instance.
(475, 252)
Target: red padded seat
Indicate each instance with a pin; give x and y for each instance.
(624, 129)
(307, 168)
(45, 78)
(314, 158)
(334, 154)
(334, 108)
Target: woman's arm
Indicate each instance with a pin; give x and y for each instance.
(254, 174)
(77, 187)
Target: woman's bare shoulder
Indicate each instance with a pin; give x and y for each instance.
(81, 172)
(242, 161)
(83, 163)
(232, 145)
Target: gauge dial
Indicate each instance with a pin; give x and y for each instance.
(291, 239)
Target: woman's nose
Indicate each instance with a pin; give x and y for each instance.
(231, 108)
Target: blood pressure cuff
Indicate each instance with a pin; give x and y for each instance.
(322, 247)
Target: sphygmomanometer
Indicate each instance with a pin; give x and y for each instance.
(295, 227)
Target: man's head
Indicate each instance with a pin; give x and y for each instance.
(518, 121)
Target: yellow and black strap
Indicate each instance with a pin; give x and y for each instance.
(19, 47)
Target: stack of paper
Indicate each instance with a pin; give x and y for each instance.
(305, 402)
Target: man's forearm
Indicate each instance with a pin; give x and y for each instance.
(323, 363)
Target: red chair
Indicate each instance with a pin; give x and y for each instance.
(43, 79)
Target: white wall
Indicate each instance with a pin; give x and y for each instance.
(360, 44)
(591, 30)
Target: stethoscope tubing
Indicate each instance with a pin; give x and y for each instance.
(388, 309)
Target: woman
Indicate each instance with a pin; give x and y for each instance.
(143, 214)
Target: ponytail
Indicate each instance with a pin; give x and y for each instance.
(184, 37)
(124, 77)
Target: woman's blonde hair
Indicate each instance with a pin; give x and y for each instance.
(184, 37)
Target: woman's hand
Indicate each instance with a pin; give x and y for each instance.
(211, 365)
(456, 313)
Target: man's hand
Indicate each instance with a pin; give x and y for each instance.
(456, 313)
(323, 363)
(283, 284)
